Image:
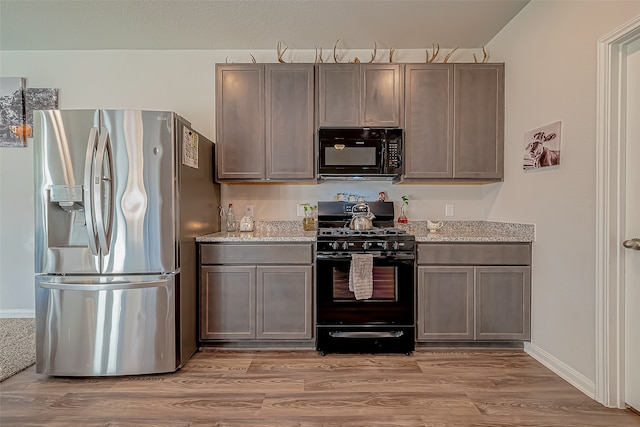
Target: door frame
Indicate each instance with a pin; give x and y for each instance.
(610, 213)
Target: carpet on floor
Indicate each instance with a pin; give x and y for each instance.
(17, 345)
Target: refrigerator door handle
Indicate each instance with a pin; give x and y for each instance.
(102, 178)
(89, 213)
(104, 286)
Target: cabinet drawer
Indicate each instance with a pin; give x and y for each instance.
(474, 254)
(256, 254)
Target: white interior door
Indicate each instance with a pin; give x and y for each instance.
(632, 227)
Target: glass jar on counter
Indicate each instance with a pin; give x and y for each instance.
(309, 220)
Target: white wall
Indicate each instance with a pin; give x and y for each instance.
(16, 232)
(550, 54)
(181, 81)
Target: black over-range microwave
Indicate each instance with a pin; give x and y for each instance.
(360, 153)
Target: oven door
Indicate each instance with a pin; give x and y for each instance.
(393, 292)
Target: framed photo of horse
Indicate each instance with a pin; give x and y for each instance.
(542, 146)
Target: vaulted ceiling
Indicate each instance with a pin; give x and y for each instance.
(250, 24)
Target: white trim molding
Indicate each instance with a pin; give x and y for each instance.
(10, 314)
(560, 368)
(610, 187)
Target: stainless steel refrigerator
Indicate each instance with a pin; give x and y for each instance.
(120, 196)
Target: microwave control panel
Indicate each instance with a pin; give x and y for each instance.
(393, 159)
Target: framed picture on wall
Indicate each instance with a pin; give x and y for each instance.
(13, 127)
(542, 146)
(39, 99)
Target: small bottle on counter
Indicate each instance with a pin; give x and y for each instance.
(230, 218)
(402, 219)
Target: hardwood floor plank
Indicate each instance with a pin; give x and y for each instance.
(528, 421)
(367, 404)
(28, 381)
(233, 388)
(231, 384)
(392, 382)
(191, 404)
(335, 363)
(84, 422)
(212, 364)
(545, 402)
(310, 421)
(526, 382)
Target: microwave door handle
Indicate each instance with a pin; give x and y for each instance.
(103, 151)
(89, 212)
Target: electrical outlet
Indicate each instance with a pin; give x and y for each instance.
(248, 210)
(448, 209)
(301, 209)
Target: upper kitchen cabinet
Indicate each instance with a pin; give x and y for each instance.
(454, 122)
(478, 121)
(265, 122)
(240, 121)
(359, 95)
(428, 132)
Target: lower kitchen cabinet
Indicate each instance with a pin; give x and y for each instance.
(445, 303)
(474, 292)
(503, 303)
(284, 302)
(256, 292)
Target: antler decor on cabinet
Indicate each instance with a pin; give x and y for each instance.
(318, 59)
(435, 49)
(430, 57)
(281, 52)
(484, 56)
(446, 58)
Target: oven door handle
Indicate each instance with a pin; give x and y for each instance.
(376, 255)
(366, 334)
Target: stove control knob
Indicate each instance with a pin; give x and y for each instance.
(385, 245)
(395, 246)
(345, 246)
(334, 245)
(365, 245)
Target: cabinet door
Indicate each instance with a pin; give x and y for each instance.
(289, 121)
(503, 301)
(479, 121)
(428, 133)
(380, 94)
(284, 302)
(240, 141)
(445, 304)
(227, 302)
(339, 95)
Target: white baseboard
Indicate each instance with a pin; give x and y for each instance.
(563, 370)
(7, 314)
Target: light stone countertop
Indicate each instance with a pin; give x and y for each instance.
(264, 231)
(451, 231)
(472, 231)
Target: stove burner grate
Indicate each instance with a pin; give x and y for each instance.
(345, 231)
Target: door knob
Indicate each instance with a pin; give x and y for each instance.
(632, 244)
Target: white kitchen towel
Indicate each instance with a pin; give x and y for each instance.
(361, 275)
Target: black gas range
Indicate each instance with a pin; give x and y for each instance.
(387, 240)
(383, 321)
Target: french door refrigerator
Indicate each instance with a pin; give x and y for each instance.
(120, 196)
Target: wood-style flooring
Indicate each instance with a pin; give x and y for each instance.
(491, 388)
